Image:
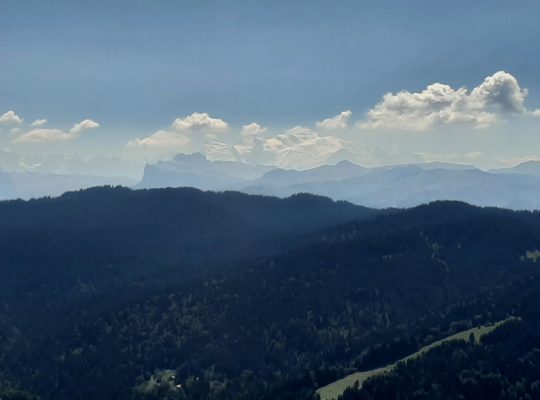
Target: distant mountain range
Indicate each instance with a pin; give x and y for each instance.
(195, 170)
(59, 164)
(27, 185)
(525, 168)
(38, 175)
(403, 185)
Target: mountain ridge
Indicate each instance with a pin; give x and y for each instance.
(402, 185)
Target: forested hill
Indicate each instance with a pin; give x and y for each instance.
(105, 234)
(180, 294)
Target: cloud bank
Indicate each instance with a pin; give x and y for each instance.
(496, 98)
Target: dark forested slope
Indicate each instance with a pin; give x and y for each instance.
(97, 235)
(505, 366)
(283, 296)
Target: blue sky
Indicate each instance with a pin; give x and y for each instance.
(136, 66)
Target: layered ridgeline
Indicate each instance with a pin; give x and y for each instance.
(404, 185)
(32, 176)
(28, 185)
(390, 186)
(181, 294)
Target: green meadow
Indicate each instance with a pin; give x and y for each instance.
(333, 390)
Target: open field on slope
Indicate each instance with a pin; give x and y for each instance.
(335, 389)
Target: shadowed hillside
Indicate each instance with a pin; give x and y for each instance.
(183, 294)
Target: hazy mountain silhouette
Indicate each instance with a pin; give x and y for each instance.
(27, 185)
(410, 185)
(403, 185)
(525, 168)
(194, 170)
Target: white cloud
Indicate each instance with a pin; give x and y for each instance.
(161, 139)
(10, 118)
(249, 134)
(501, 90)
(40, 135)
(497, 96)
(186, 134)
(38, 123)
(43, 135)
(252, 130)
(340, 121)
(536, 113)
(440, 104)
(199, 122)
(82, 126)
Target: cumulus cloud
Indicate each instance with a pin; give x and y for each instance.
(199, 123)
(40, 135)
(189, 133)
(536, 113)
(499, 95)
(82, 126)
(250, 132)
(38, 123)
(340, 121)
(501, 90)
(10, 118)
(43, 135)
(440, 104)
(161, 139)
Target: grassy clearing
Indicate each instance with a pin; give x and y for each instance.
(335, 389)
